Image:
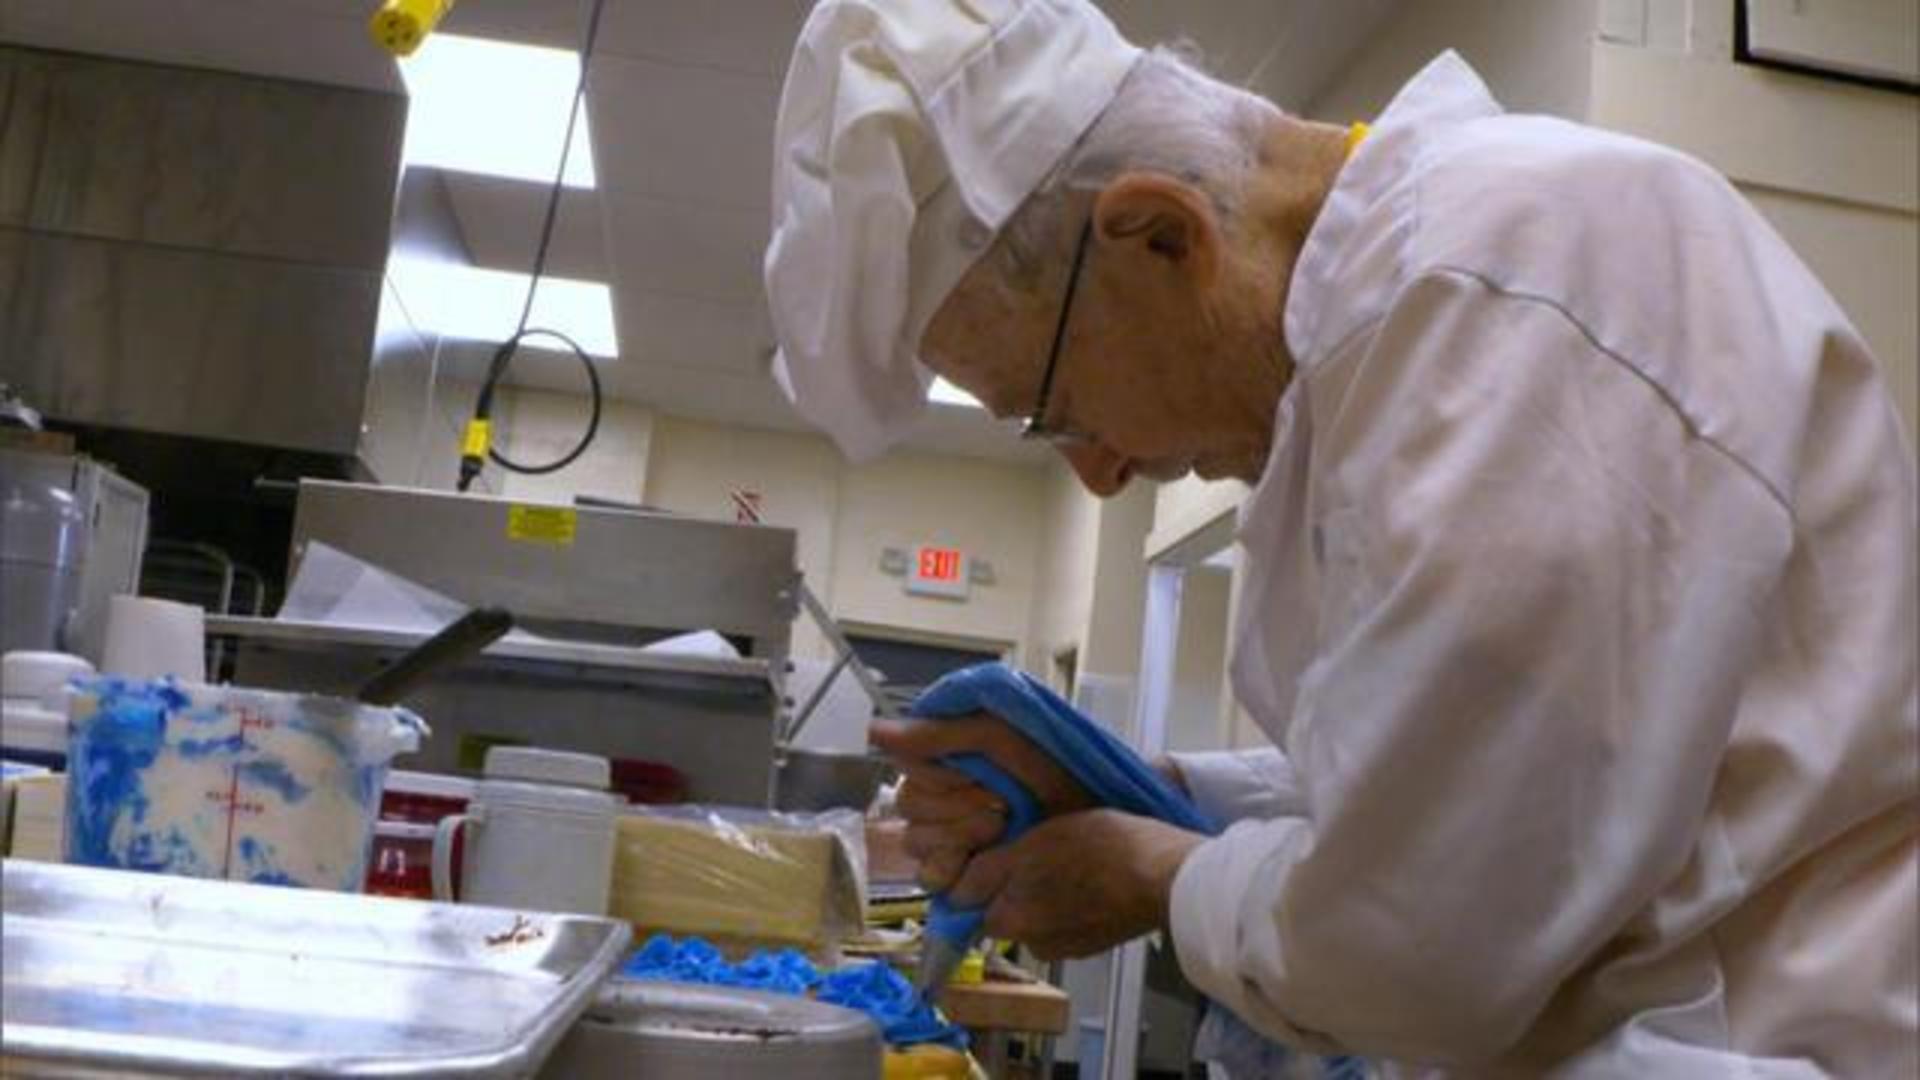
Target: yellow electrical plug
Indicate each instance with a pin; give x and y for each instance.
(401, 25)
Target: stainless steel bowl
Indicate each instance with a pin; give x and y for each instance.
(670, 1031)
(809, 780)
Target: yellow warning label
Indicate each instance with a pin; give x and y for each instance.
(542, 524)
(478, 433)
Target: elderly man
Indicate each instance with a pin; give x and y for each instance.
(1579, 592)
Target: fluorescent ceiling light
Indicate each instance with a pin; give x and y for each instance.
(946, 393)
(496, 108)
(469, 302)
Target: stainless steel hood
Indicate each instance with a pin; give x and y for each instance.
(192, 252)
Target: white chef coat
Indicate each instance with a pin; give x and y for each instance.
(1580, 602)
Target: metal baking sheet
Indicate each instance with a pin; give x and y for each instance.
(113, 972)
(515, 646)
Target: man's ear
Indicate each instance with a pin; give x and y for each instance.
(1161, 220)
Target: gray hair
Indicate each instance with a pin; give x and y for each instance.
(1168, 117)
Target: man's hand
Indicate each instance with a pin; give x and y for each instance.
(1078, 884)
(949, 817)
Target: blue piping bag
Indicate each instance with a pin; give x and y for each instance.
(1106, 767)
(952, 930)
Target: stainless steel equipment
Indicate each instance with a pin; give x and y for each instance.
(192, 252)
(616, 576)
(813, 780)
(669, 1031)
(596, 584)
(71, 536)
(124, 974)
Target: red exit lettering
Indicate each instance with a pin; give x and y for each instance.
(939, 564)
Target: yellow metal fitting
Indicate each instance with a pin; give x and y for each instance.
(401, 25)
(479, 436)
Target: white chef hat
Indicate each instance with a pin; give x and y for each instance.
(909, 131)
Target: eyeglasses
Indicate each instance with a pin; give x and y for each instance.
(1037, 426)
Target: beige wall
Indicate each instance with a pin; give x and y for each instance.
(845, 516)
(1194, 722)
(694, 467)
(539, 426)
(1091, 589)
(1186, 506)
(1063, 600)
(1534, 55)
(1120, 585)
(986, 509)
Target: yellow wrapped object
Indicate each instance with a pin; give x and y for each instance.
(739, 880)
(927, 1063)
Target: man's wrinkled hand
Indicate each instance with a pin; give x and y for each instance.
(1080, 883)
(949, 817)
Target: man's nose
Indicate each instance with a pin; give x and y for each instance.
(1102, 471)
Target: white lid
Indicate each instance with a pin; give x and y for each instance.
(434, 785)
(30, 727)
(548, 767)
(547, 799)
(30, 675)
(404, 830)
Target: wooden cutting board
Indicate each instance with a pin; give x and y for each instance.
(1007, 1006)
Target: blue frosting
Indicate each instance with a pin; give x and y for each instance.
(197, 749)
(260, 865)
(873, 988)
(905, 1018)
(125, 737)
(274, 776)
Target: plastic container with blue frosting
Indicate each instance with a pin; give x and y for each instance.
(227, 782)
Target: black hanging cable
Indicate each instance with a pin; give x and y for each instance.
(477, 446)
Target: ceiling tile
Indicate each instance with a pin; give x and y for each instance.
(752, 36)
(553, 23)
(684, 332)
(695, 134)
(683, 249)
(500, 220)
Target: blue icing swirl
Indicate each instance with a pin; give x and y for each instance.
(905, 1018)
(259, 864)
(874, 988)
(196, 749)
(163, 851)
(275, 777)
(123, 738)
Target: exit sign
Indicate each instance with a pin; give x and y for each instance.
(938, 571)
